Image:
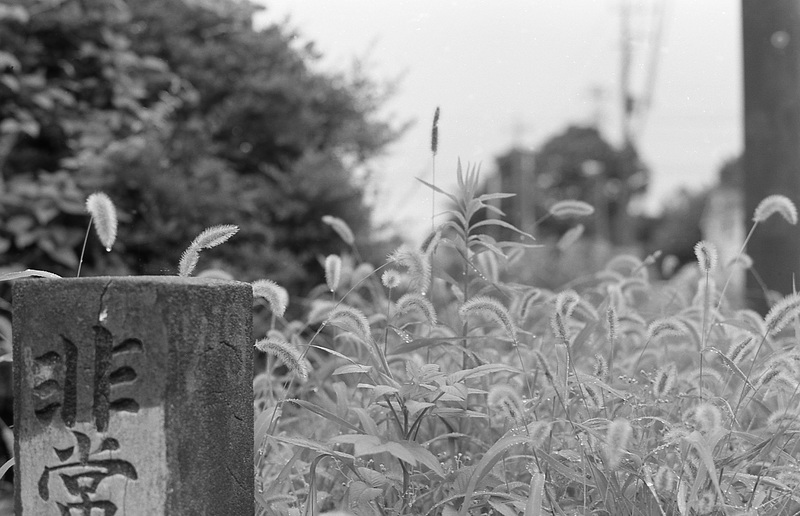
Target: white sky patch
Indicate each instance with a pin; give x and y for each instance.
(520, 71)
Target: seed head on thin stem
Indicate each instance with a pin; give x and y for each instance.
(664, 380)
(619, 432)
(416, 302)
(104, 217)
(782, 313)
(390, 278)
(341, 228)
(491, 308)
(571, 208)
(706, 254)
(333, 271)
(276, 296)
(775, 204)
(435, 132)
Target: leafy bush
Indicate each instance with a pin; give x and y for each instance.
(420, 387)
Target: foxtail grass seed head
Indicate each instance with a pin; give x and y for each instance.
(104, 217)
(741, 350)
(571, 208)
(559, 326)
(768, 377)
(288, 354)
(435, 132)
(691, 466)
(782, 313)
(664, 480)
(188, 261)
(333, 271)
(787, 420)
(612, 322)
(665, 327)
(566, 302)
(214, 236)
(276, 296)
(352, 320)
(418, 265)
(416, 302)
(600, 368)
(619, 432)
(592, 395)
(208, 238)
(341, 228)
(664, 380)
(431, 242)
(390, 278)
(743, 260)
(539, 431)
(706, 254)
(779, 204)
(492, 309)
(505, 399)
(527, 301)
(708, 418)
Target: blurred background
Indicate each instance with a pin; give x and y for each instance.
(273, 114)
(513, 77)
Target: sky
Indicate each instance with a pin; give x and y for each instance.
(518, 72)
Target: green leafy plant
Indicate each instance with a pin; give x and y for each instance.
(435, 384)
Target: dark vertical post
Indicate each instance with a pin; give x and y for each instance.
(771, 51)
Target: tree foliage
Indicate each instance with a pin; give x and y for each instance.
(187, 117)
(580, 164)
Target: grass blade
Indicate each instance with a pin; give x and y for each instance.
(534, 505)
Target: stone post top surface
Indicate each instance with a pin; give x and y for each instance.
(132, 280)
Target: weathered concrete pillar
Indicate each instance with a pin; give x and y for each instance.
(133, 396)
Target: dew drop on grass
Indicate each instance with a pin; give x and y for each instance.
(108, 249)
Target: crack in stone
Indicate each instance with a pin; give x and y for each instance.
(238, 482)
(102, 312)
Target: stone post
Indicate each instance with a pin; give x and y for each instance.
(133, 396)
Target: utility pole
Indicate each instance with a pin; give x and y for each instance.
(623, 225)
(771, 52)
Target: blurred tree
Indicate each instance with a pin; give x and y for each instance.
(678, 227)
(579, 164)
(187, 117)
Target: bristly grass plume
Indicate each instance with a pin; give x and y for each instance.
(104, 218)
(571, 208)
(208, 238)
(333, 271)
(491, 308)
(276, 296)
(706, 254)
(283, 350)
(341, 228)
(779, 204)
